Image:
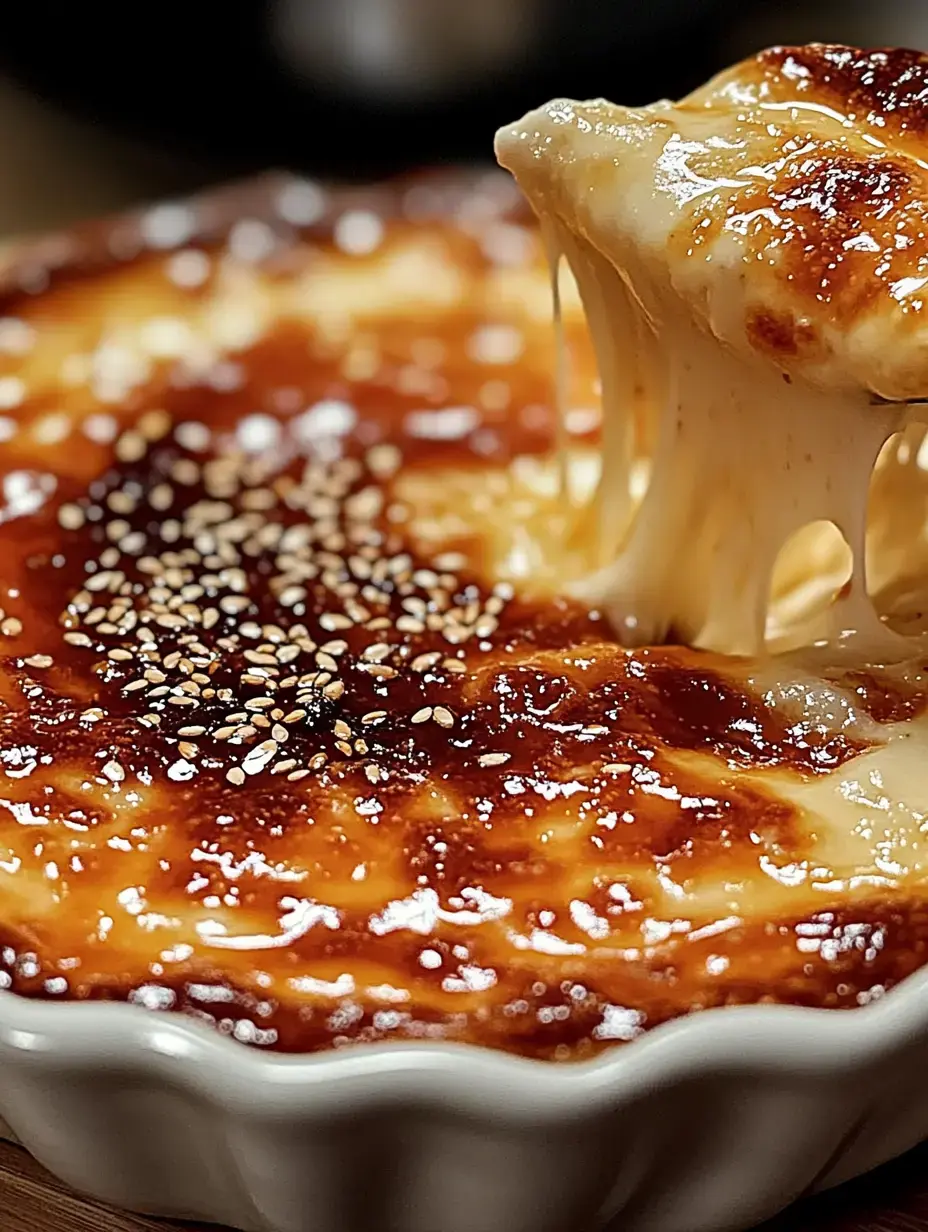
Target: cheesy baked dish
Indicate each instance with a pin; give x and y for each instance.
(375, 669)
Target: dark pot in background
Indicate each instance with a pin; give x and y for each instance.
(348, 87)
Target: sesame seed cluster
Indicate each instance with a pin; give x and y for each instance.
(243, 605)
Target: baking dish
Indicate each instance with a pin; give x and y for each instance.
(711, 1122)
(714, 1121)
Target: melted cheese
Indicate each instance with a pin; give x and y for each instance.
(749, 262)
(536, 840)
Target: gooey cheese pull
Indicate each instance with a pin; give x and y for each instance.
(753, 263)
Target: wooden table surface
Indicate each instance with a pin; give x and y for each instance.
(892, 1199)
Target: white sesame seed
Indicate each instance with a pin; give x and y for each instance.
(258, 757)
(493, 759)
(71, 517)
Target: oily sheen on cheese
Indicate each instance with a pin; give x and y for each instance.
(753, 262)
(305, 730)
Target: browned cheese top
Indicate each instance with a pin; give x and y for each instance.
(787, 200)
(298, 734)
(828, 147)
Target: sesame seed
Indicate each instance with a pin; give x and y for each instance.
(337, 646)
(376, 652)
(236, 775)
(373, 716)
(39, 660)
(422, 662)
(77, 640)
(486, 626)
(187, 750)
(332, 621)
(114, 772)
(130, 447)
(161, 497)
(423, 715)
(258, 757)
(455, 633)
(121, 502)
(383, 460)
(295, 775)
(99, 581)
(493, 759)
(255, 656)
(191, 731)
(153, 425)
(233, 604)
(334, 690)
(71, 517)
(443, 716)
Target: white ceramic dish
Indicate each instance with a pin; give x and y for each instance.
(711, 1122)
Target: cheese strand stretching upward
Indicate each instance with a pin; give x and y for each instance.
(747, 261)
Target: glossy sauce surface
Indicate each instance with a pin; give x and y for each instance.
(299, 735)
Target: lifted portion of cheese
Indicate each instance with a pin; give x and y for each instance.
(750, 261)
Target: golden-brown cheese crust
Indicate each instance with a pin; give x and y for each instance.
(278, 750)
(840, 209)
(885, 88)
(785, 203)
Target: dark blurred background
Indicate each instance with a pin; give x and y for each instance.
(104, 104)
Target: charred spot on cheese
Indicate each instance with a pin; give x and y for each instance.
(880, 89)
(751, 262)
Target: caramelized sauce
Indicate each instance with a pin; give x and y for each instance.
(284, 746)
